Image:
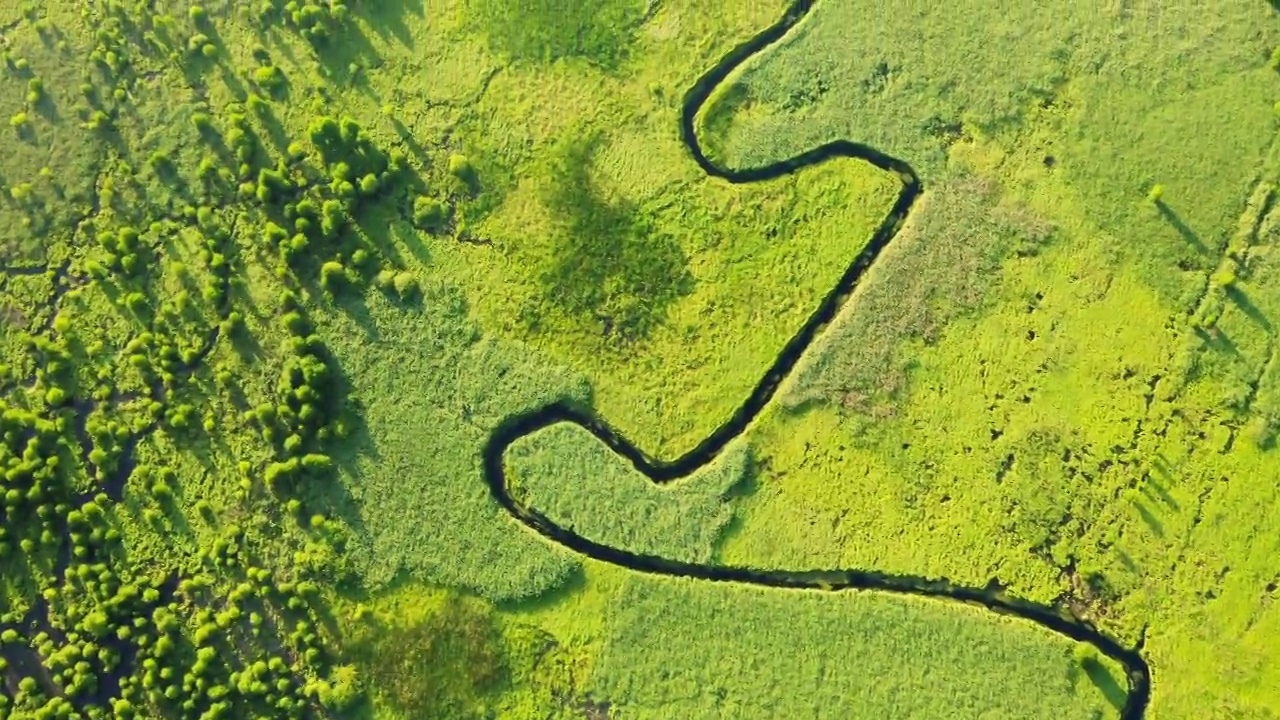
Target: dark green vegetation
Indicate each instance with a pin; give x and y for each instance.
(273, 273)
(608, 266)
(598, 32)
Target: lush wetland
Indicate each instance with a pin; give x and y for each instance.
(343, 344)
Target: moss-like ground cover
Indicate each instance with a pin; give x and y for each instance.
(274, 272)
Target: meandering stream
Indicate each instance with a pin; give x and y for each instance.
(1058, 620)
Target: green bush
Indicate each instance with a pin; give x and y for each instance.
(342, 690)
(332, 275)
(460, 167)
(55, 397)
(269, 77)
(429, 213)
(406, 285)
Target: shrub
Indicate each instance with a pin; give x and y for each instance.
(98, 121)
(406, 285)
(1086, 656)
(428, 213)
(332, 274)
(19, 121)
(316, 461)
(158, 161)
(1155, 194)
(332, 217)
(269, 77)
(460, 167)
(341, 691)
(136, 302)
(55, 397)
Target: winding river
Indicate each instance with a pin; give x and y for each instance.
(1058, 620)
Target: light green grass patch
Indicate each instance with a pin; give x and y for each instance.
(574, 480)
(768, 653)
(431, 391)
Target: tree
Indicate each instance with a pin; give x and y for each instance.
(460, 167)
(269, 77)
(342, 690)
(406, 285)
(428, 213)
(332, 275)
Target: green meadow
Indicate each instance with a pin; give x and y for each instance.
(275, 274)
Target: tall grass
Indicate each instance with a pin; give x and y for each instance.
(765, 653)
(579, 484)
(1077, 422)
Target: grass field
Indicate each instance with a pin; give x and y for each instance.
(1113, 376)
(274, 273)
(842, 654)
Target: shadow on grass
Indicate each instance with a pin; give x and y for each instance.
(1247, 306)
(605, 264)
(1173, 218)
(388, 19)
(275, 129)
(599, 32)
(1157, 489)
(570, 586)
(1149, 518)
(1217, 340)
(1106, 684)
(406, 136)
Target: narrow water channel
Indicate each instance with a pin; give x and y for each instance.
(1059, 620)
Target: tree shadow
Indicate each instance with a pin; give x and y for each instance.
(1106, 683)
(599, 32)
(407, 236)
(275, 129)
(1156, 488)
(406, 136)
(606, 268)
(388, 18)
(344, 57)
(1173, 218)
(46, 108)
(1247, 306)
(1149, 518)
(1217, 340)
